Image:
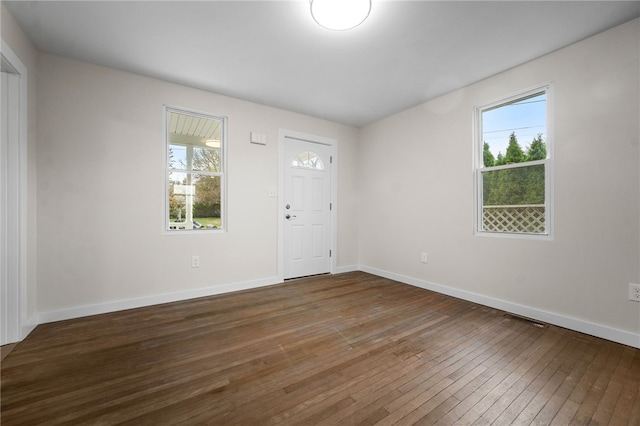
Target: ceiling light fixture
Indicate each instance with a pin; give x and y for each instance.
(212, 143)
(340, 15)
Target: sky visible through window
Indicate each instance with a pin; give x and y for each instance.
(526, 117)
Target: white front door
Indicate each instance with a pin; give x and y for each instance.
(307, 208)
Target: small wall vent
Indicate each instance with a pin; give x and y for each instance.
(525, 319)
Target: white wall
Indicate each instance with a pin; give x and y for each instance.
(101, 192)
(416, 192)
(22, 47)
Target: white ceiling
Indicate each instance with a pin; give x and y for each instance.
(272, 52)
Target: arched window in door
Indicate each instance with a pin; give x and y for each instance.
(308, 160)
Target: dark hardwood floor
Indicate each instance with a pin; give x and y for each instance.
(348, 349)
(6, 349)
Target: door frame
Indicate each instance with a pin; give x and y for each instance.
(17, 327)
(283, 135)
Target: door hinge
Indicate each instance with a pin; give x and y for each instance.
(331, 159)
(329, 253)
(330, 206)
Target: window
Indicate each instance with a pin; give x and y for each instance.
(513, 165)
(308, 160)
(195, 190)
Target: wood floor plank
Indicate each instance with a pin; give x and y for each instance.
(628, 402)
(616, 394)
(533, 391)
(594, 388)
(418, 397)
(346, 349)
(419, 415)
(387, 392)
(492, 359)
(571, 370)
(477, 400)
(311, 386)
(508, 390)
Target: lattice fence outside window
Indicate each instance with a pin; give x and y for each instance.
(528, 219)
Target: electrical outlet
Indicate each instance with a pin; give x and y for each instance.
(423, 258)
(634, 292)
(195, 261)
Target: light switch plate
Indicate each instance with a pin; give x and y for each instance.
(258, 138)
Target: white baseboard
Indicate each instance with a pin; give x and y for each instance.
(102, 308)
(582, 326)
(343, 269)
(598, 330)
(29, 326)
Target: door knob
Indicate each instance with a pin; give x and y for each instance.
(288, 216)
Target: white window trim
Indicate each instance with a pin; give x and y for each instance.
(223, 185)
(478, 165)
